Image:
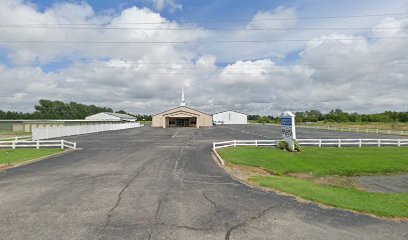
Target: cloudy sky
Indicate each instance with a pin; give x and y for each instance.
(258, 57)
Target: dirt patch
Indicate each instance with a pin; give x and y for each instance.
(301, 175)
(338, 181)
(4, 166)
(243, 172)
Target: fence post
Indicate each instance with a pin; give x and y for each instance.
(388, 131)
(339, 142)
(38, 144)
(213, 145)
(359, 142)
(320, 142)
(377, 131)
(15, 138)
(13, 145)
(399, 142)
(379, 142)
(62, 144)
(256, 143)
(235, 143)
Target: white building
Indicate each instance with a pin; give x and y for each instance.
(230, 117)
(108, 116)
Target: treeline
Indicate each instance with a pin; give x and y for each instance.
(139, 117)
(337, 115)
(47, 109)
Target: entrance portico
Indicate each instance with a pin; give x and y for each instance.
(182, 117)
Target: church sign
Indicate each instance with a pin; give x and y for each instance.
(288, 128)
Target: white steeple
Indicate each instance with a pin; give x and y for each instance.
(183, 103)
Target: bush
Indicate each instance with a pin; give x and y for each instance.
(263, 119)
(298, 148)
(285, 146)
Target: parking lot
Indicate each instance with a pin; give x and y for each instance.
(150, 183)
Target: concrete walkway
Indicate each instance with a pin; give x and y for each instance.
(386, 184)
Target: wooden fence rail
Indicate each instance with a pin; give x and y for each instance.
(38, 144)
(348, 129)
(16, 138)
(359, 142)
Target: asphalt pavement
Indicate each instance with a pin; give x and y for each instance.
(150, 183)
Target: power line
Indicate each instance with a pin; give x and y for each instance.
(209, 29)
(186, 65)
(197, 42)
(214, 71)
(220, 21)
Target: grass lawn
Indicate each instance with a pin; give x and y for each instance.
(12, 134)
(321, 164)
(21, 155)
(145, 122)
(382, 204)
(347, 161)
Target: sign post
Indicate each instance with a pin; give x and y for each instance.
(288, 128)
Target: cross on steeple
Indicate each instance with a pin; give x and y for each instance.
(183, 103)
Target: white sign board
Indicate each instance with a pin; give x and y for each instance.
(288, 128)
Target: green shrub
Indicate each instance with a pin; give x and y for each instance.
(285, 146)
(298, 148)
(263, 119)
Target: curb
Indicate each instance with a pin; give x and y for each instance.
(222, 162)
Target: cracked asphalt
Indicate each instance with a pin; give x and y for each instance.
(149, 183)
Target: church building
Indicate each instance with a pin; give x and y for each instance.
(182, 116)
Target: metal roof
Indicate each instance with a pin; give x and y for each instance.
(120, 115)
(230, 111)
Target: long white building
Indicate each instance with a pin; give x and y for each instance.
(230, 117)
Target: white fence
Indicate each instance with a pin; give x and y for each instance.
(16, 138)
(56, 132)
(349, 129)
(317, 142)
(38, 144)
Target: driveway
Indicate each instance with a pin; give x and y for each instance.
(148, 183)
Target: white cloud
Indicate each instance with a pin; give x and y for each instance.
(357, 75)
(172, 5)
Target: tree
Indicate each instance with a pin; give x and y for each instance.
(264, 119)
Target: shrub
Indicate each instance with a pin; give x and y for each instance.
(285, 146)
(298, 148)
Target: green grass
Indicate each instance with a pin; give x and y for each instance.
(321, 162)
(7, 134)
(145, 122)
(21, 155)
(347, 161)
(382, 204)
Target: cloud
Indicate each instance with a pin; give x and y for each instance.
(363, 74)
(169, 4)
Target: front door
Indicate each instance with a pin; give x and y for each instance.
(181, 122)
